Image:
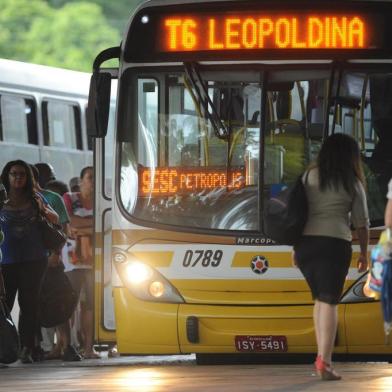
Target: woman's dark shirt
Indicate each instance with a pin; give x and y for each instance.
(22, 236)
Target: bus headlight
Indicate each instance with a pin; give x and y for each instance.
(157, 289)
(137, 273)
(144, 281)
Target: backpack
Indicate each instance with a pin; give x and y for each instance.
(58, 299)
(285, 214)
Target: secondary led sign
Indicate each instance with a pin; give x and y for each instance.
(239, 32)
(166, 181)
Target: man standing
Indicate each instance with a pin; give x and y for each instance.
(63, 349)
(79, 266)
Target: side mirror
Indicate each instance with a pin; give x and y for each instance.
(98, 104)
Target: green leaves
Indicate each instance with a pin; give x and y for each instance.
(16, 17)
(69, 36)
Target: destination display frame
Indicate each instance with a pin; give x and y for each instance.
(222, 30)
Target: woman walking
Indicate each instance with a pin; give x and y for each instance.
(24, 255)
(336, 197)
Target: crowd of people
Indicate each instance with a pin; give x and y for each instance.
(34, 193)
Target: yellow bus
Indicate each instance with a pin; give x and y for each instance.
(220, 104)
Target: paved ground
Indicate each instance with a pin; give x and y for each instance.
(182, 374)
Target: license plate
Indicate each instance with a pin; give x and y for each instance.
(269, 344)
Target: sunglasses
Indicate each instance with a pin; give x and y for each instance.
(18, 174)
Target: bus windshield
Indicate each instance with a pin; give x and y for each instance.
(179, 169)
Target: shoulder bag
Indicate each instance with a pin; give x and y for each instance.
(285, 214)
(57, 299)
(53, 235)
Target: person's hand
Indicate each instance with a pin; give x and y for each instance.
(73, 232)
(40, 204)
(362, 263)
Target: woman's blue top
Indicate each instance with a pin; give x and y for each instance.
(22, 236)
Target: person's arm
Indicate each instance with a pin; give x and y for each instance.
(51, 214)
(363, 237)
(46, 210)
(84, 230)
(360, 220)
(79, 225)
(388, 214)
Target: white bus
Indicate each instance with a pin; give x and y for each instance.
(42, 117)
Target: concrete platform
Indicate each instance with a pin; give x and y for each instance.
(181, 374)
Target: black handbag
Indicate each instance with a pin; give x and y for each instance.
(57, 300)
(9, 338)
(53, 235)
(285, 215)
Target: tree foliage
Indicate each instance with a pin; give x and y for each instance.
(117, 12)
(16, 17)
(68, 36)
(77, 34)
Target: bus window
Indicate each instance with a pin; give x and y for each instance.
(295, 117)
(148, 122)
(185, 170)
(144, 144)
(18, 122)
(198, 177)
(363, 109)
(62, 124)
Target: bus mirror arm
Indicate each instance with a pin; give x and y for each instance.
(105, 55)
(98, 104)
(99, 94)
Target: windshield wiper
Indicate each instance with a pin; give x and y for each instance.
(200, 89)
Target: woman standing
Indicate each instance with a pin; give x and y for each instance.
(335, 192)
(24, 256)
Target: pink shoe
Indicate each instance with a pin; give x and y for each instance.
(325, 370)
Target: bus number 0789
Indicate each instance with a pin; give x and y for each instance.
(206, 258)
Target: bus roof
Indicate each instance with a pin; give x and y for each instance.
(41, 77)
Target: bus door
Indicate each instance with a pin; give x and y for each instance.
(362, 109)
(103, 163)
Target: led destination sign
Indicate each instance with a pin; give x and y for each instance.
(263, 31)
(174, 180)
(260, 30)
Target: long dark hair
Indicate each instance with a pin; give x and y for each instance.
(29, 187)
(339, 163)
